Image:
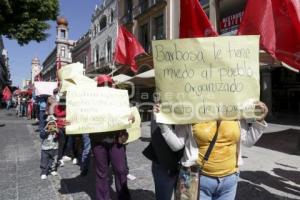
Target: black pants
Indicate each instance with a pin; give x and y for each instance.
(48, 161)
(68, 145)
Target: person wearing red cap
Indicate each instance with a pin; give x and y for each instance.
(109, 148)
(104, 80)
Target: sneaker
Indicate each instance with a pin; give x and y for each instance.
(75, 161)
(66, 158)
(61, 163)
(54, 173)
(131, 177)
(43, 177)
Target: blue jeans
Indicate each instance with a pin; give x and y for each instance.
(85, 157)
(224, 188)
(164, 183)
(23, 109)
(8, 103)
(48, 161)
(42, 120)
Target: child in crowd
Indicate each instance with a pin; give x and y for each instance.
(49, 152)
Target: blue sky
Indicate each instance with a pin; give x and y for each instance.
(78, 13)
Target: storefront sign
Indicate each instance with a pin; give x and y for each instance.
(231, 22)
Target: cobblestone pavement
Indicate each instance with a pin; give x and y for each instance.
(271, 170)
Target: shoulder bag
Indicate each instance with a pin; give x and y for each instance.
(188, 183)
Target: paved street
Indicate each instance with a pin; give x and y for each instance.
(271, 170)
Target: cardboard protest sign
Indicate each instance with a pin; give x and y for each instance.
(71, 70)
(206, 78)
(134, 132)
(72, 75)
(77, 80)
(96, 110)
(44, 88)
(66, 84)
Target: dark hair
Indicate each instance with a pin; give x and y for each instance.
(55, 91)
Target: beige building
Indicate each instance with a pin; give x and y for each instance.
(35, 68)
(150, 20)
(61, 51)
(103, 33)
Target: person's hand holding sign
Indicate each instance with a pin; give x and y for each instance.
(123, 135)
(131, 118)
(261, 111)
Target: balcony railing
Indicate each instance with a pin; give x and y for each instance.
(102, 62)
(126, 19)
(144, 6)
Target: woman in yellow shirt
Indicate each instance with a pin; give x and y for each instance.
(220, 172)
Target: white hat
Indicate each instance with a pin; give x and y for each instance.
(50, 118)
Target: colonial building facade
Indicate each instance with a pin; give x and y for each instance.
(81, 51)
(35, 68)
(103, 32)
(61, 54)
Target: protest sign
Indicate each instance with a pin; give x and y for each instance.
(77, 80)
(44, 88)
(96, 110)
(134, 132)
(71, 70)
(72, 75)
(206, 78)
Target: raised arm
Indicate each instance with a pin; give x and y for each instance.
(251, 132)
(175, 138)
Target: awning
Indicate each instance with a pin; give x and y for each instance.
(145, 79)
(147, 74)
(121, 78)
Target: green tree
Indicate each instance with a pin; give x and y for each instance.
(27, 20)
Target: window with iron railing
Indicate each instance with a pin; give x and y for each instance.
(96, 54)
(109, 51)
(128, 7)
(158, 26)
(103, 23)
(63, 34)
(144, 4)
(62, 52)
(144, 36)
(111, 16)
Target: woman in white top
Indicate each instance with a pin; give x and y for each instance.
(220, 173)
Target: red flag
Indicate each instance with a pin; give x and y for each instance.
(6, 94)
(278, 24)
(193, 21)
(127, 48)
